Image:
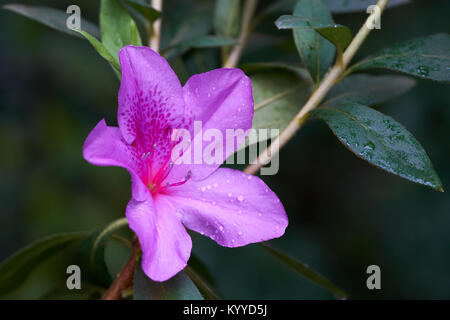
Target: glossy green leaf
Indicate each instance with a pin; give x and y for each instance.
(343, 6)
(185, 20)
(252, 68)
(292, 22)
(52, 18)
(15, 270)
(92, 252)
(207, 42)
(315, 51)
(200, 42)
(210, 42)
(427, 58)
(202, 285)
(180, 287)
(340, 36)
(100, 48)
(227, 17)
(278, 96)
(381, 141)
(117, 27)
(335, 6)
(144, 7)
(306, 272)
(368, 89)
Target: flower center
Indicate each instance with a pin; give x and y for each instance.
(155, 184)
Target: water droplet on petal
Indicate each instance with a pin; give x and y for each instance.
(241, 198)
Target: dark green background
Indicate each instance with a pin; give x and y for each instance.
(344, 214)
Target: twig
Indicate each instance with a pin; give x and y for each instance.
(124, 279)
(235, 55)
(156, 34)
(327, 83)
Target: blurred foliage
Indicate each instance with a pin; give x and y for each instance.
(344, 215)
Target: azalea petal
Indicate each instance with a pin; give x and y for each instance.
(221, 99)
(230, 207)
(150, 103)
(166, 245)
(105, 146)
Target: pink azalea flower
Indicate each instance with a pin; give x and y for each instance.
(228, 206)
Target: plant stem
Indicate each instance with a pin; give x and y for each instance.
(124, 279)
(327, 83)
(156, 34)
(235, 54)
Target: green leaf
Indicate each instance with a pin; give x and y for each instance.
(117, 27)
(200, 42)
(251, 68)
(93, 252)
(184, 20)
(368, 89)
(306, 272)
(61, 292)
(427, 58)
(278, 96)
(344, 6)
(227, 17)
(100, 48)
(381, 141)
(201, 284)
(180, 287)
(340, 36)
(210, 42)
(292, 22)
(52, 18)
(15, 270)
(316, 52)
(335, 6)
(144, 8)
